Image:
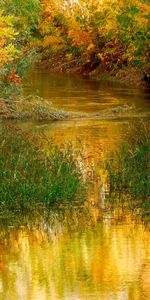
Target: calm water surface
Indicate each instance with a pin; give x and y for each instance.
(80, 94)
(100, 260)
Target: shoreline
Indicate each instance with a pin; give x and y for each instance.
(60, 63)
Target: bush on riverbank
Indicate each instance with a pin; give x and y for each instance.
(29, 176)
(90, 35)
(103, 34)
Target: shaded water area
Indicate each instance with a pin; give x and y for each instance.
(91, 250)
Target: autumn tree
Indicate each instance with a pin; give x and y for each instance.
(8, 35)
(117, 31)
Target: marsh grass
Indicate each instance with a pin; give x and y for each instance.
(30, 176)
(30, 107)
(129, 169)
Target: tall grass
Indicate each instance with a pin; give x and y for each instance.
(129, 168)
(29, 175)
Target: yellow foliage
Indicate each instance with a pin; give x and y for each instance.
(101, 56)
(91, 47)
(80, 37)
(52, 41)
(7, 54)
(87, 24)
(142, 22)
(7, 50)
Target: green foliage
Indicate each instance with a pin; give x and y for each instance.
(18, 21)
(29, 176)
(129, 168)
(26, 13)
(118, 34)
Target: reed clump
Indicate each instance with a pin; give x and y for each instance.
(31, 176)
(129, 168)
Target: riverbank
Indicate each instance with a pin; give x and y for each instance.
(60, 62)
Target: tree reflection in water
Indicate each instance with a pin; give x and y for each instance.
(106, 261)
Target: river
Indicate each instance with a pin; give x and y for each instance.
(82, 257)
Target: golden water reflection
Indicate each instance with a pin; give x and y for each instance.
(104, 262)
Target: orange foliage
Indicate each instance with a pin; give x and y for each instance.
(113, 28)
(80, 38)
(13, 77)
